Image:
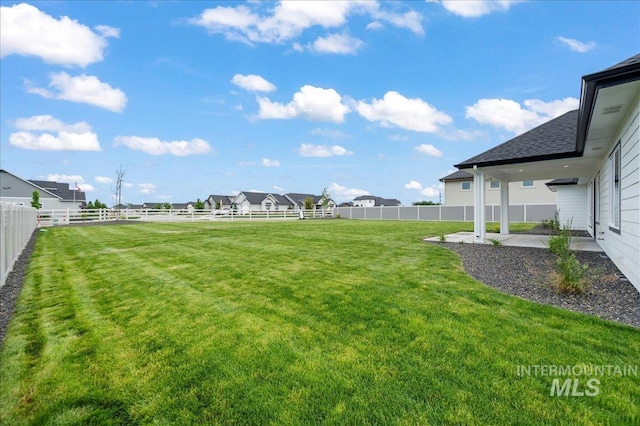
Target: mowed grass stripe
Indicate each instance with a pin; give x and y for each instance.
(344, 322)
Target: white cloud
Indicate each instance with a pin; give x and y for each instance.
(510, 115)
(103, 179)
(146, 188)
(71, 179)
(429, 149)
(410, 114)
(329, 133)
(155, 146)
(577, 46)
(341, 44)
(83, 89)
(27, 31)
(270, 163)
(277, 188)
(253, 83)
(312, 103)
(429, 191)
(65, 137)
(311, 150)
(476, 8)
(49, 123)
(341, 193)
(289, 19)
(128, 184)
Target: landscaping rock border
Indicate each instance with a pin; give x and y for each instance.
(527, 272)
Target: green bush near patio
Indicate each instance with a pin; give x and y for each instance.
(298, 322)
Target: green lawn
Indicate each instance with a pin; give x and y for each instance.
(299, 322)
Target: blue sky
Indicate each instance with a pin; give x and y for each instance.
(198, 98)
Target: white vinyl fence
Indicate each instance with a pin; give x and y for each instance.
(517, 213)
(67, 217)
(17, 223)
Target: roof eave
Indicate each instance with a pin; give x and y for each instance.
(590, 85)
(504, 162)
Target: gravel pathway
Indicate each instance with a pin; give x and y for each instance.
(526, 272)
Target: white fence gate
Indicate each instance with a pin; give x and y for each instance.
(17, 223)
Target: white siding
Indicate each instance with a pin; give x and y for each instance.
(623, 247)
(572, 200)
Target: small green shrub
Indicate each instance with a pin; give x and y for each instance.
(495, 242)
(559, 244)
(553, 223)
(442, 238)
(571, 274)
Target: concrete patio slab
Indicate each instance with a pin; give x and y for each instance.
(520, 240)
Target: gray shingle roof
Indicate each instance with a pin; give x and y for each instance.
(379, 201)
(563, 181)
(62, 190)
(255, 197)
(457, 175)
(554, 139)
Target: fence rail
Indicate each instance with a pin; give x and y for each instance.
(17, 223)
(67, 217)
(517, 213)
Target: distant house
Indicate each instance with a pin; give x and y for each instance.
(224, 201)
(298, 200)
(246, 201)
(53, 195)
(184, 207)
(373, 201)
(458, 191)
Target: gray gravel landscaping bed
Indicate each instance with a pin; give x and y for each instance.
(527, 272)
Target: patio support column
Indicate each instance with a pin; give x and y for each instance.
(504, 207)
(479, 207)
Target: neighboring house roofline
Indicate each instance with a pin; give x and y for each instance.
(33, 184)
(458, 175)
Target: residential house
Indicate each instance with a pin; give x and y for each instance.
(458, 191)
(53, 195)
(599, 145)
(299, 200)
(373, 201)
(222, 201)
(245, 202)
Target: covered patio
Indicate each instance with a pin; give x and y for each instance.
(518, 240)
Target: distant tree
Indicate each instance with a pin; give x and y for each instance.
(166, 206)
(117, 192)
(199, 204)
(425, 203)
(218, 204)
(157, 206)
(89, 206)
(324, 200)
(308, 203)
(35, 200)
(97, 204)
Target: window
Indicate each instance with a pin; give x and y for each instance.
(614, 188)
(466, 186)
(596, 201)
(527, 184)
(494, 184)
(267, 206)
